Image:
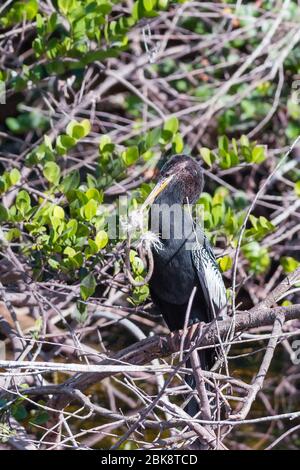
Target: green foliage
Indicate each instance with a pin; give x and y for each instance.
(257, 256)
(234, 153)
(101, 239)
(65, 40)
(39, 417)
(78, 130)
(6, 432)
(171, 127)
(9, 179)
(64, 142)
(52, 172)
(87, 286)
(19, 411)
(27, 121)
(289, 264)
(219, 212)
(260, 228)
(225, 263)
(224, 215)
(20, 11)
(297, 188)
(67, 236)
(140, 294)
(23, 203)
(130, 155)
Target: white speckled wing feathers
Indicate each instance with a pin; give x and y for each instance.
(210, 278)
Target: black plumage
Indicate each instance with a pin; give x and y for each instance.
(185, 258)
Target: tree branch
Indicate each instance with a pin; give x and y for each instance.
(155, 347)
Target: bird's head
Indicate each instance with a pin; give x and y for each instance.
(181, 181)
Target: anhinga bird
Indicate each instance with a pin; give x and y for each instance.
(185, 259)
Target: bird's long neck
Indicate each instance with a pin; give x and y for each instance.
(171, 220)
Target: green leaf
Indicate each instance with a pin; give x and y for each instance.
(4, 214)
(66, 6)
(149, 4)
(86, 126)
(234, 146)
(93, 193)
(78, 130)
(81, 312)
(71, 181)
(13, 125)
(99, 54)
(92, 249)
(289, 264)
(254, 221)
(206, 155)
(23, 202)
(58, 212)
(292, 130)
(217, 213)
(41, 417)
(137, 265)
(178, 143)
(205, 200)
(105, 144)
(147, 155)
(225, 263)
(265, 223)
(71, 228)
(90, 209)
(244, 141)
(52, 172)
(162, 4)
(137, 10)
(101, 239)
(19, 412)
(258, 154)
(297, 188)
(293, 108)
(69, 251)
(152, 138)
(171, 125)
(223, 143)
(130, 155)
(14, 176)
(3, 403)
(258, 257)
(57, 224)
(53, 263)
(247, 154)
(87, 286)
(64, 143)
(20, 11)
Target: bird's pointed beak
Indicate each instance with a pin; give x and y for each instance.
(160, 186)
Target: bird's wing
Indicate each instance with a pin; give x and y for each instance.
(210, 278)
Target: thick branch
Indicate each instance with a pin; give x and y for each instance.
(145, 351)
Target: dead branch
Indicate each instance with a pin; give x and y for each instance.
(155, 347)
